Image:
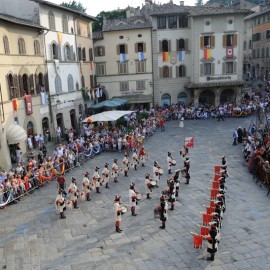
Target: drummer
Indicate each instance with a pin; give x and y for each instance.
(172, 189)
(117, 213)
(105, 175)
(125, 164)
(74, 192)
(135, 158)
(86, 186)
(187, 164)
(142, 155)
(132, 199)
(148, 186)
(177, 182)
(115, 170)
(60, 204)
(169, 162)
(224, 164)
(96, 179)
(184, 151)
(156, 173)
(164, 209)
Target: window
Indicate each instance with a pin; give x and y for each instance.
(257, 37)
(6, 45)
(58, 85)
(267, 52)
(83, 81)
(229, 68)
(254, 53)
(172, 22)
(83, 54)
(181, 45)
(262, 52)
(207, 69)
(258, 53)
(122, 68)
(21, 44)
(140, 66)
(37, 47)
(100, 51)
(166, 72)
(90, 54)
(140, 47)
(70, 83)
(101, 69)
(183, 21)
(245, 45)
(181, 71)
(80, 53)
(124, 86)
(54, 51)
(229, 40)
(121, 49)
(51, 21)
(12, 93)
(78, 28)
(250, 44)
(25, 85)
(140, 85)
(39, 83)
(165, 46)
(77, 86)
(207, 41)
(67, 52)
(161, 22)
(268, 34)
(65, 24)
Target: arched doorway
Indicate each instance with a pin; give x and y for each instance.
(227, 95)
(207, 97)
(182, 98)
(73, 119)
(30, 131)
(60, 122)
(46, 129)
(166, 100)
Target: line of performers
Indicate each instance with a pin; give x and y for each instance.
(216, 211)
(98, 180)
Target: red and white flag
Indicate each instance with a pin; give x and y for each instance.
(189, 142)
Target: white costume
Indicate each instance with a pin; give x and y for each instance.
(125, 164)
(114, 170)
(105, 175)
(96, 179)
(60, 203)
(73, 191)
(169, 162)
(86, 185)
(130, 194)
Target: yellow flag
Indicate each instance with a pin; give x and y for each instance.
(60, 35)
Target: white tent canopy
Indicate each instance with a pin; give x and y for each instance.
(15, 134)
(106, 116)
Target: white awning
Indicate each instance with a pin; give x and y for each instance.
(15, 134)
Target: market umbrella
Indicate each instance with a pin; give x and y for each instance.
(106, 116)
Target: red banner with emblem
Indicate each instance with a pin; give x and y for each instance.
(28, 104)
(229, 52)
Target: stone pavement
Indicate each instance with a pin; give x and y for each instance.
(33, 237)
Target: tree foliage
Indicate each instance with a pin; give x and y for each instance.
(74, 5)
(199, 3)
(115, 14)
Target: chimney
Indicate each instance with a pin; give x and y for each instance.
(182, 3)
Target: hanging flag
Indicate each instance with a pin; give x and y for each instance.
(60, 35)
(165, 57)
(229, 52)
(181, 56)
(141, 56)
(173, 58)
(189, 141)
(122, 57)
(28, 104)
(206, 54)
(43, 98)
(15, 104)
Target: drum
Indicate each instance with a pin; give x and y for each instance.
(69, 205)
(166, 194)
(153, 183)
(173, 162)
(157, 211)
(183, 172)
(139, 196)
(161, 171)
(123, 209)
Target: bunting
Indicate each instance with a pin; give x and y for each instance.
(165, 57)
(206, 54)
(181, 56)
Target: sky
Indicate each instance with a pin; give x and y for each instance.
(93, 8)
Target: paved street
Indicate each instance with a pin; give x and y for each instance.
(33, 237)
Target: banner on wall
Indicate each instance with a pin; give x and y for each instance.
(28, 104)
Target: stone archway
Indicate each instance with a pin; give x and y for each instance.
(207, 97)
(227, 95)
